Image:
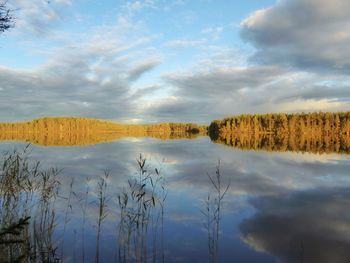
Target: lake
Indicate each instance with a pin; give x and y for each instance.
(278, 207)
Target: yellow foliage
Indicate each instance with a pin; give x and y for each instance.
(61, 131)
(306, 132)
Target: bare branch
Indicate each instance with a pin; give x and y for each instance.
(6, 17)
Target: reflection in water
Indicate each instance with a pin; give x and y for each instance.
(142, 216)
(102, 203)
(82, 199)
(300, 204)
(27, 216)
(303, 143)
(321, 132)
(310, 226)
(28, 213)
(212, 213)
(81, 131)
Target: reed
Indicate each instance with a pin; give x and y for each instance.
(83, 203)
(67, 213)
(27, 216)
(141, 207)
(212, 213)
(102, 203)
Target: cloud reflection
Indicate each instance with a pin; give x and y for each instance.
(312, 226)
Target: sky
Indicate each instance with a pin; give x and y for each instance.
(151, 61)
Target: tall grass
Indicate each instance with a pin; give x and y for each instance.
(141, 207)
(83, 203)
(212, 213)
(45, 218)
(68, 211)
(102, 203)
(28, 220)
(27, 215)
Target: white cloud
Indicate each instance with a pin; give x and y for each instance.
(89, 77)
(38, 17)
(213, 32)
(213, 79)
(306, 34)
(184, 43)
(133, 7)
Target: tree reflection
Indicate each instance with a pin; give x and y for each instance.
(83, 131)
(321, 132)
(272, 143)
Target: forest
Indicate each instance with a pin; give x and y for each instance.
(69, 131)
(321, 132)
(307, 132)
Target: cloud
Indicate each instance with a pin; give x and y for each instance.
(339, 93)
(188, 161)
(300, 57)
(213, 32)
(215, 57)
(311, 92)
(79, 79)
(310, 226)
(207, 94)
(300, 49)
(91, 73)
(184, 43)
(310, 35)
(209, 91)
(145, 66)
(131, 8)
(61, 90)
(222, 82)
(38, 17)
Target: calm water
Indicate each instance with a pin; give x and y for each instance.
(280, 207)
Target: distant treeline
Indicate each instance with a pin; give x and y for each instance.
(324, 123)
(62, 131)
(307, 132)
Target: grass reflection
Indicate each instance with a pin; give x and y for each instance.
(141, 216)
(212, 213)
(36, 212)
(27, 216)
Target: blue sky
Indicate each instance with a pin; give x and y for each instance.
(181, 60)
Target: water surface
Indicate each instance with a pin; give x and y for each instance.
(279, 207)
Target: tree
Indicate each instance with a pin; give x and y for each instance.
(6, 18)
